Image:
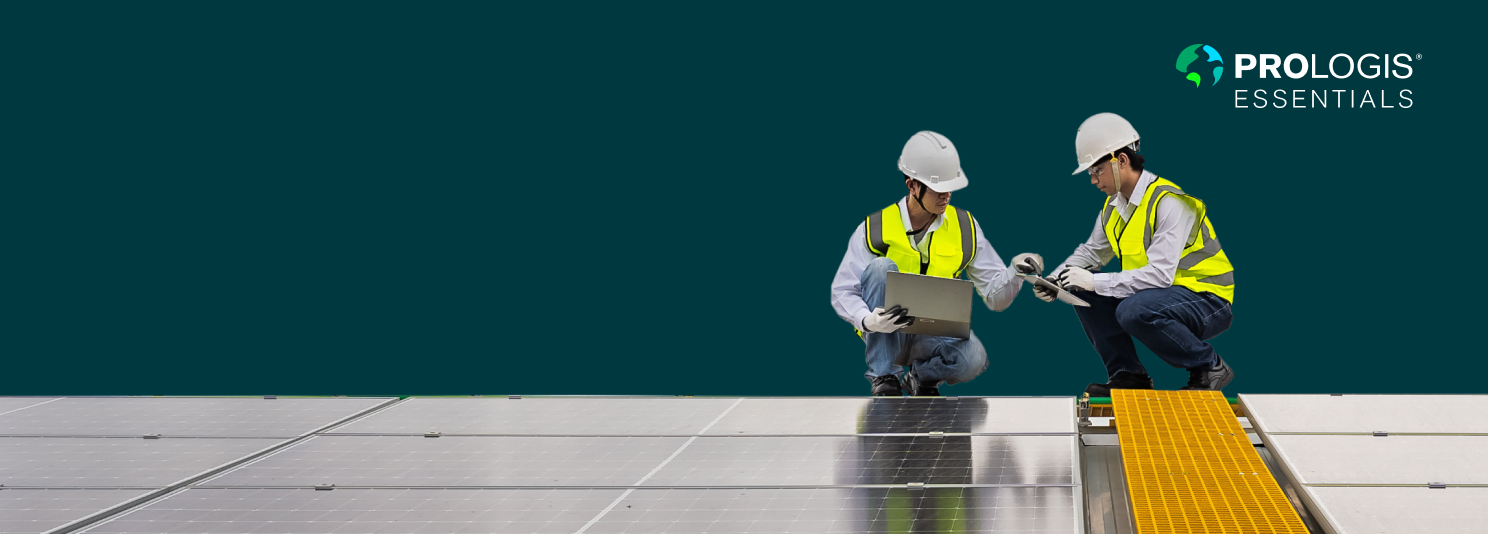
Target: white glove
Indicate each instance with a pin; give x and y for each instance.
(1028, 263)
(1076, 279)
(1043, 293)
(887, 322)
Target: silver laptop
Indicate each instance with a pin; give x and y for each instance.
(940, 306)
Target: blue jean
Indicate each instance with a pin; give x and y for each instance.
(1173, 322)
(933, 358)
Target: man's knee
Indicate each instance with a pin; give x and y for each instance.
(1134, 312)
(878, 268)
(881, 265)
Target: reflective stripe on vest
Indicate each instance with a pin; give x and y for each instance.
(1203, 266)
(952, 246)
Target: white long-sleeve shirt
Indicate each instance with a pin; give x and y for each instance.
(987, 273)
(1175, 222)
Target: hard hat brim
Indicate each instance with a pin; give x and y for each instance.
(1082, 168)
(947, 186)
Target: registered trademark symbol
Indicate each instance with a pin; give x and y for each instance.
(1418, 56)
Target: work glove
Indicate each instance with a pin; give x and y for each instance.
(1043, 293)
(1029, 263)
(1076, 279)
(887, 321)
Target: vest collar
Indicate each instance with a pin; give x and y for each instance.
(904, 217)
(1143, 182)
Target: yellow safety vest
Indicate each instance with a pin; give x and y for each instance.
(952, 246)
(1203, 267)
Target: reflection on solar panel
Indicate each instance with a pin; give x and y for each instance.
(1382, 463)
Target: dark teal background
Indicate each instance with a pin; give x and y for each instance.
(466, 198)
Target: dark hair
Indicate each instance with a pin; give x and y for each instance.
(1136, 159)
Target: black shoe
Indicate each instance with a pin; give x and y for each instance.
(920, 389)
(887, 386)
(1211, 379)
(1122, 380)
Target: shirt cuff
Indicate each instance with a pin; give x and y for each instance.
(1102, 283)
(858, 321)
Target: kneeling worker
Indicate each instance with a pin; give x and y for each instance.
(924, 234)
(1176, 284)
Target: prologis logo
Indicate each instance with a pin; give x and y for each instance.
(1190, 54)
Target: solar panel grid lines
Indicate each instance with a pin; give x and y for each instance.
(1191, 468)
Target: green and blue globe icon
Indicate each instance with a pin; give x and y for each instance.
(1189, 55)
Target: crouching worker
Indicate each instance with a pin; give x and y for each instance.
(1175, 286)
(924, 234)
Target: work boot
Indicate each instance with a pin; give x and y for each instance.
(1122, 380)
(918, 388)
(887, 386)
(1213, 378)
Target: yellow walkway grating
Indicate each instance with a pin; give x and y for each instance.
(1191, 469)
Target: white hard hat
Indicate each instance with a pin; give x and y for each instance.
(931, 158)
(1100, 135)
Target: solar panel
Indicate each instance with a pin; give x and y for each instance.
(582, 465)
(1419, 510)
(137, 416)
(806, 416)
(352, 511)
(39, 510)
(115, 462)
(553, 416)
(1325, 459)
(849, 460)
(1445, 414)
(457, 461)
